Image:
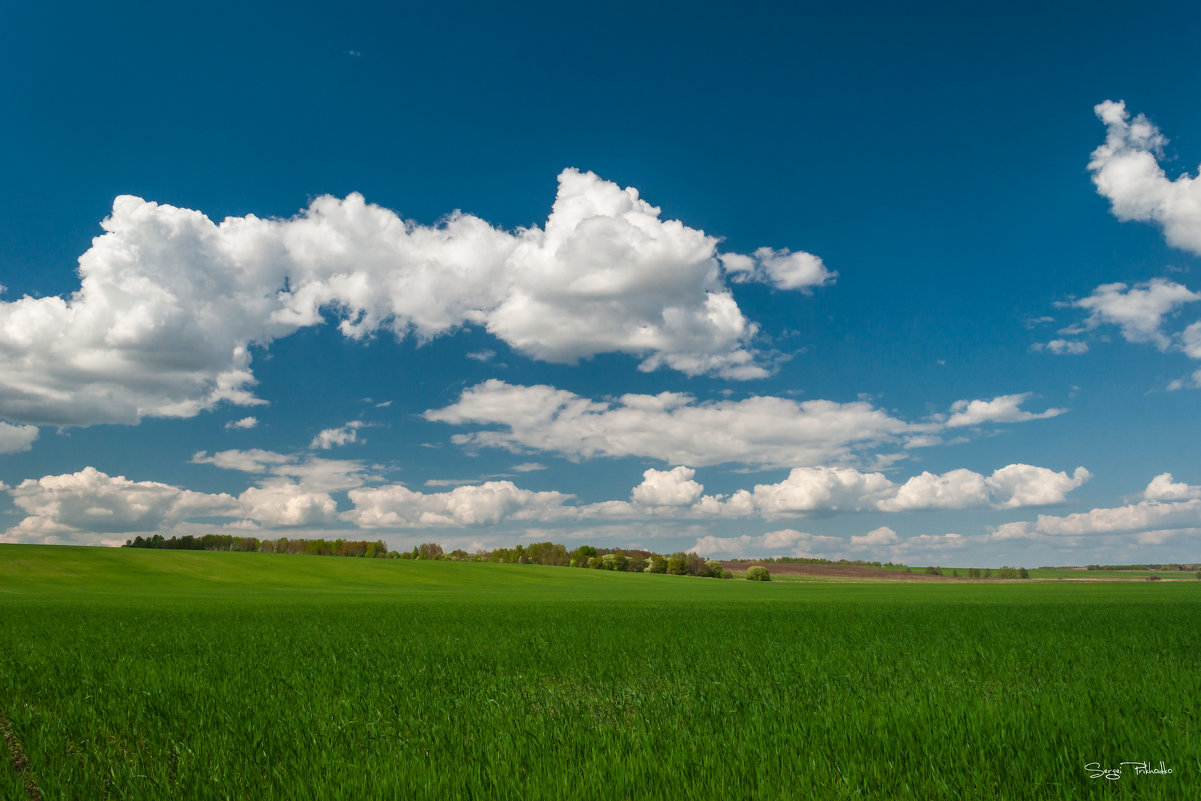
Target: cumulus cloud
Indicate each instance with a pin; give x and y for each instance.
(244, 423)
(956, 489)
(834, 490)
(170, 302)
(490, 503)
(1148, 516)
(1002, 409)
(333, 437)
(14, 439)
(1019, 485)
(877, 538)
(1138, 311)
(286, 503)
(782, 269)
(1163, 488)
(297, 491)
(817, 489)
(1126, 171)
(1190, 341)
(673, 487)
(672, 427)
(83, 507)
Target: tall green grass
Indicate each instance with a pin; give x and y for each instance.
(156, 675)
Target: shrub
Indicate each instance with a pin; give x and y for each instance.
(677, 564)
(712, 569)
(1023, 573)
(1007, 572)
(933, 571)
(726, 574)
(757, 573)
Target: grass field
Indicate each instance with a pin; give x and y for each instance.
(194, 675)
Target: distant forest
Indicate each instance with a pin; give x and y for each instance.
(227, 542)
(624, 560)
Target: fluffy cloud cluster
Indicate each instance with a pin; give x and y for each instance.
(1126, 171)
(293, 491)
(171, 303)
(809, 490)
(673, 487)
(676, 429)
(1141, 314)
(86, 506)
(1167, 509)
(490, 503)
(822, 490)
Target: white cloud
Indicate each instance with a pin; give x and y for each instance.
(284, 503)
(1019, 485)
(244, 423)
(1144, 516)
(1072, 347)
(527, 467)
(333, 437)
(782, 269)
(14, 439)
(314, 473)
(170, 302)
(824, 489)
(1190, 341)
(673, 487)
(82, 507)
(1002, 409)
(1126, 171)
(672, 427)
(1163, 488)
(956, 489)
(1138, 311)
(877, 538)
(490, 503)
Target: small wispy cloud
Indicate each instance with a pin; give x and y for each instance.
(343, 435)
(245, 422)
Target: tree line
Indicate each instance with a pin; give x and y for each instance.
(228, 542)
(623, 560)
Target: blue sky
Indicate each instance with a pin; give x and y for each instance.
(870, 282)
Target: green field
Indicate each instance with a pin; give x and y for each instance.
(196, 675)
